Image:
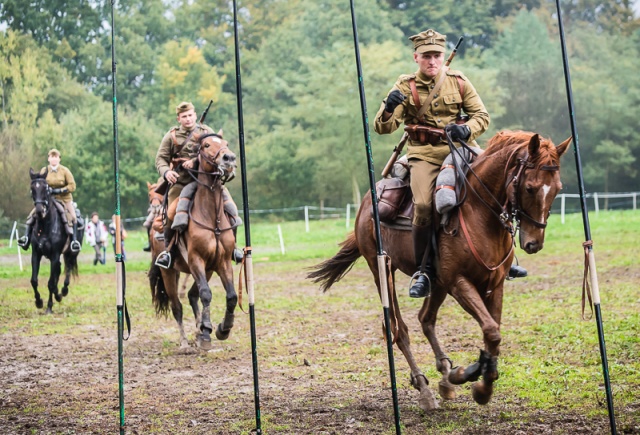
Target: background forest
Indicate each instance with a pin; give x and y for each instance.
(303, 129)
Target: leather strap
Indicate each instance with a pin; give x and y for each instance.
(422, 107)
(178, 148)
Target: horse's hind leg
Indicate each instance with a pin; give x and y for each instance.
(196, 265)
(35, 268)
(194, 296)
(427, 316)
(67, 277)
(427, 400)
(224, 328)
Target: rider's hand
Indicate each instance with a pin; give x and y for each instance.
(59, 190)
(171, 176)
(394, 99)
(458, 132)
(188, 164)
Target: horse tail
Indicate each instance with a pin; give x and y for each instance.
(334, 269)
(71, 263)
(159, 294)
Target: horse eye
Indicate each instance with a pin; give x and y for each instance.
(529, 189)
(207, 145)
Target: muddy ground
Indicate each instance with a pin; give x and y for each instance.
(322, 368)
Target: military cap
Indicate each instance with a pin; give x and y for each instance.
(184, 107)
(53, 151)
(429, 40)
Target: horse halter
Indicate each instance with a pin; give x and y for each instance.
(514, 198)
(45, 201)
(213, 160)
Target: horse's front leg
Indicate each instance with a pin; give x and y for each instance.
(487, 364)
(196, 265)
(194, 297)
(226, 276)
(54, 277)
(428, 316)
(68, 260)
(35, 269)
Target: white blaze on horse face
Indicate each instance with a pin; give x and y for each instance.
(216, 139)
(545, 193)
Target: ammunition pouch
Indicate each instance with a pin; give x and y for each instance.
(423, 134)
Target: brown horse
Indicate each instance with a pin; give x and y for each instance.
(515, 179)
(206, 247)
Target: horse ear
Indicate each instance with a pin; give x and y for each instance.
(32, 174)
(564, 146)
(148, 185)
(534, 144)
(219, 133)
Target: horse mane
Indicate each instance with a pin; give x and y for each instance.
(519, 139)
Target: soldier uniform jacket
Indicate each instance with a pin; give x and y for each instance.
(58, 179)
(167, 149)
(443, 111)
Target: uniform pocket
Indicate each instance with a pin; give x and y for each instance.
(452, 99)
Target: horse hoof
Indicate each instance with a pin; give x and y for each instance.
(58, 297)
(446, 389)
(427, 401)
(220, 334)
(456, 375)
(65, 291)
(204, 343)
(49, 311)
(482, 392)
(39, 303)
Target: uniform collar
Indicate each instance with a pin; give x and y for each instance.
(422, 77)
(184, 130)
(54, 169)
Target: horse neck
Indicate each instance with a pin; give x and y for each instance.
(492, 171)
(210, 198)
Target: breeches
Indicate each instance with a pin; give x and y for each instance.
(423, 178)
(174, 192)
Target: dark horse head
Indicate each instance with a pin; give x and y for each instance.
(49, 239)
(40, 192)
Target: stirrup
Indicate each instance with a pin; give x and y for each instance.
(75, 246)
(163, 260)
(237, 255)
(23, 242)
(426, 285)
(147, 248)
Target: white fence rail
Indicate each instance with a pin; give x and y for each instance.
(630, 203)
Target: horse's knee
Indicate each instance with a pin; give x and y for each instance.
(205, 296)
(492, 335)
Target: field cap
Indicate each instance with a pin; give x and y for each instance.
(184, 107)
(429, 40)
(54, 152)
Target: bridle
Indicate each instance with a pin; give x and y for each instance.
(44, 202)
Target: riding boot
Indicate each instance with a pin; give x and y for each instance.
(238, 254)
(423, 278)
(25, 241)
(164, 258)
(75, 245)
(517, 271)
(147, 248)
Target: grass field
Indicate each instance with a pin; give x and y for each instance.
(323, 363)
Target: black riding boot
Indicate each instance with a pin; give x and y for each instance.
(25, 241)
(148, 247)
(164, 258)
(75, 245)
(423, 278)
(238, 254)
(517, 271)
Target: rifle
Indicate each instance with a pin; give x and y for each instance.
(204, 114)
(398, 148)
(396, 153)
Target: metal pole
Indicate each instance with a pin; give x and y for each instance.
(247, 226)
(587, 231)
(382, 268)
(119, 263)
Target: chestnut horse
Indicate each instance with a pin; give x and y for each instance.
(515, 179)
(208, 245)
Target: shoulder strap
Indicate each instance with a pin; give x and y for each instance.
(433, 93)
(178, 148)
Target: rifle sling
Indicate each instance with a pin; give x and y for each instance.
(422, 108)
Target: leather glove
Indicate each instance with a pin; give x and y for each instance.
(394, 99)
(59, 190)
(458, 132)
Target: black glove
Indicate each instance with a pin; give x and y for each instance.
(59, 190)
(458, 132)
(394, 99)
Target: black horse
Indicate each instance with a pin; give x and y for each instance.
(49, 239)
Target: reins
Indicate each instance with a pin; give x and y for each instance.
(512, 201)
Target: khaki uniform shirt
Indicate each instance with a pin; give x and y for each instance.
(167, 150)
(58, 179)
(443, 111)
